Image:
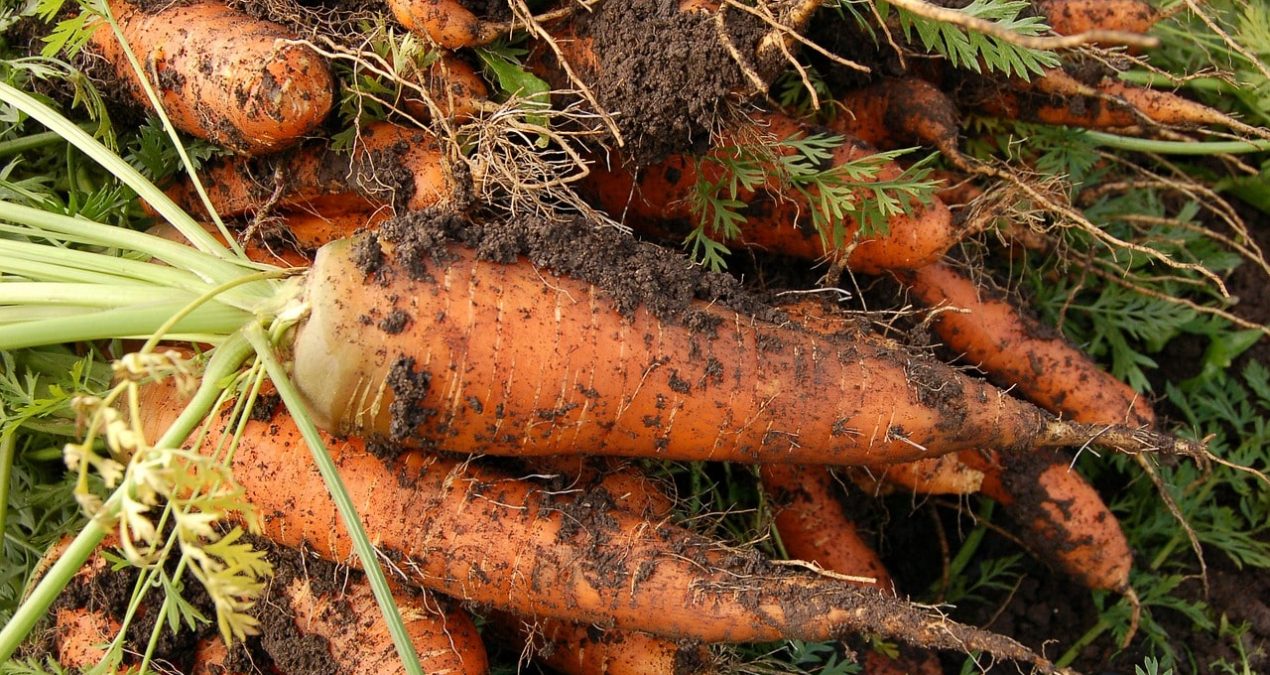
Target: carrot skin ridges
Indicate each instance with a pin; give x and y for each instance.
(657, 201)
(221, 74)
(607, 384)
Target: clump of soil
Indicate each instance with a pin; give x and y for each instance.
(664, 73)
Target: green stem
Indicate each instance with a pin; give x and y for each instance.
(1133, 144)
(335, 486)
(1149, 79)
(8, 443)
(224, 361)
(35, 293)
(122, 322)
(29, 142)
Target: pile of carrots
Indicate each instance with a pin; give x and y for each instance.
(438, 330)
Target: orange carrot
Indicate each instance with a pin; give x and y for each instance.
(576, 649)
(610, 381)
(389, 165)
(454, 86)
(659, 199)
(814, 526)
(475, 533)
(943, 475)
(898, 112)
(446, 22)
(222, 75)
(1066, 519)
(1069, 17)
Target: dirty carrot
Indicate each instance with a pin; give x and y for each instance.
(443, 368)
(241, 82)
(481, 535)
(1065, 518)
(1071, 17)
(388, 165)
(659, 200)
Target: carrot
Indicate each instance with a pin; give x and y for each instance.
(447, 22)
(309, 623)
(625, 486)
(222, 75)
(1058, 98)
(814, 526)
(1065, 518)
(605, 382)
(349, 620)
(576, 649)
(475, 533)
(389, 165)
(1018, 351)
(659, 198)
(454, 86)
(1070, 17)
(897, 112)
(943, 475)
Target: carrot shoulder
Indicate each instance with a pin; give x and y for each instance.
(222, 75)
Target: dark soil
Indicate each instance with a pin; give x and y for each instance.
(665, 74)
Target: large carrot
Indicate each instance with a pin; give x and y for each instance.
(451, 366)
(222, 75)
(475, 533)
(659, 200)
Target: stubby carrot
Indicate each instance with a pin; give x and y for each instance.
(222, 75)
(1069, 17)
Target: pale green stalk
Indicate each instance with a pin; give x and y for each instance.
(168, 209)
(121, 321)
(79, 230)
(335, 486)
(34, 293)
(29, 142)
(1134, 144)
(223, 363)
(19, 314)
(53, 256)
(8, 443)
(44, 271)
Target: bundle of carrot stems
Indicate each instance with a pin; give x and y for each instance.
(379, 294)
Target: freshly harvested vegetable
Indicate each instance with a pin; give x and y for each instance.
(660, 198)
(943, 475)
(576, 649)
(1066, 520)
(1070, 17)
(454, 86)
(617, 380)
(478, 534)
(241, 82)
(814, 526)
(389, 165)
(446, 22)
(896, 112)
(312, 619)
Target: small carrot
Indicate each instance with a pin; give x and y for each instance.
(241, 82)
(660, 199)
(943, 475)
(1070, 17)
(446, 22)
(389, 165)
(454, 86)
(897, 112)
(1066, 519)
